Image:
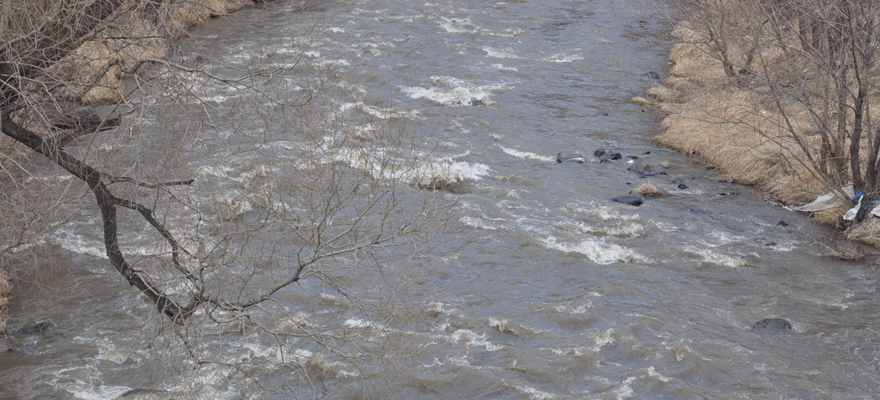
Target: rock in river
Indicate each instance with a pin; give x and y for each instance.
(37, 327)
(772, 325)
(628, 200)
(577, 158)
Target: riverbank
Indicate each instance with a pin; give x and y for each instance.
(135, 31)
(724, 120)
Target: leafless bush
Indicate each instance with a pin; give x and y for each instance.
(811, 74)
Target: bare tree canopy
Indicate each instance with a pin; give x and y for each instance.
(804, 74)
(88, 85)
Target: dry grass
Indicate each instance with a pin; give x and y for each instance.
(191, 12)
(726, 123)
(866, 232)
(701, 126)
(647, 190)
(133, 38)
(640, 101)
(832, 216)
(847, 251)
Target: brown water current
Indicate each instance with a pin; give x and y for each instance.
(541, 287)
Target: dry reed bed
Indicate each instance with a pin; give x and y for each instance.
(718, 119)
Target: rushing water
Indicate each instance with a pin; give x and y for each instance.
(547, 289)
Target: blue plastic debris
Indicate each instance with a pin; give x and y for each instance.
(859, 194)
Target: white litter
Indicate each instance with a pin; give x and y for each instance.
(829, 200)
(851, 213)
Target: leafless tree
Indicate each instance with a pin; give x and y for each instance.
(813, 70)
(297, 199)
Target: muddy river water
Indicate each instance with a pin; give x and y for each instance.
(546, 289)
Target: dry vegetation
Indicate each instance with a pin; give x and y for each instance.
(647, 190)
(778, 94)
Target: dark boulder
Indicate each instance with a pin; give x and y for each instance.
(35, 327)
(607, 156)
(772, 325)
(628, 200)
(680, 183)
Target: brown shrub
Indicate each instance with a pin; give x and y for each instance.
(647, 190)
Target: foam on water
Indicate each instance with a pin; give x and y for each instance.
(472, 339)
(443, 170)
(527, 155)
(500, 53)
(450, 91)
(605, 338)
(502, 67)
(602, 213)
(623, 230)
(565, 57)
(71, 240)
(578, 309)
(377, 112)
(532, 393)
(782, 247)
(81, 390)
(451, 171)
(720, 238)
(479, 223)
(712, 257)
(511, 32)
(459, 25)
(625, 391)
(654, 374)
(596, 250)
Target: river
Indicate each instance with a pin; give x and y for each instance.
(541, 287)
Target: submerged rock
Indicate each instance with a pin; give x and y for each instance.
(149, 394)
(772, 325)
(37, 327)
(640, 168)
(628, 200)
(30, 351)
(454, 187)
(576, 158)
(680, 183)
(604, 155)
